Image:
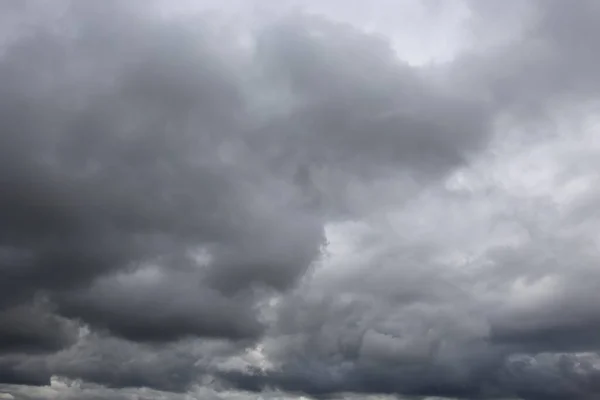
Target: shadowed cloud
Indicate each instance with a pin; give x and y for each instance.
(280, 205)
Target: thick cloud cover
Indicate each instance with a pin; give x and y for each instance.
(273, 202)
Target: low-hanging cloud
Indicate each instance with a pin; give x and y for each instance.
(191, 206)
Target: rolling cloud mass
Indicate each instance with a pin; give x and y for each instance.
(286, 200)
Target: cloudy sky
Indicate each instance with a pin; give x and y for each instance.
(298, 199)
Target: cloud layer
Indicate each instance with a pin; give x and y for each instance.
(275, 202)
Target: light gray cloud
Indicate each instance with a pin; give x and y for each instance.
(483, 288)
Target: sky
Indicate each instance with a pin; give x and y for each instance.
(297, 200)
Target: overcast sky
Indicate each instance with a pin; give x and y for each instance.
(298, 199)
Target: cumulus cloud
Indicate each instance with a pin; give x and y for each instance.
(273, 203)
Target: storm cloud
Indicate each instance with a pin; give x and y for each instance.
(229, 201)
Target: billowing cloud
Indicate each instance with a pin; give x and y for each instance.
(114, 140)
(282, 205)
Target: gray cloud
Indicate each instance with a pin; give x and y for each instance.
(103, 360)
(112, 138)
(31, 329)
(348, 84)
(547, 64)
(154, 309)
(130, 141)
(290, 207)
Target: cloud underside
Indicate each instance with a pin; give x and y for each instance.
(285, 207)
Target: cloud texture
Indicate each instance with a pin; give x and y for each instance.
(269, 201)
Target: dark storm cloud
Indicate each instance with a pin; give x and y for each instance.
(161, 309)
(160, 181)
(128, 141)
(119, 364)
(19, 370)
(116, 363)
(112, 132)
(391, 338)
(29, 329)
(343, 356)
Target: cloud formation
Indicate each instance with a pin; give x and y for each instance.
(281, 205)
